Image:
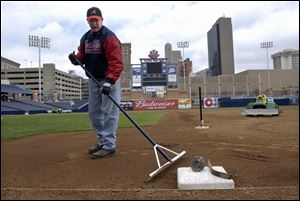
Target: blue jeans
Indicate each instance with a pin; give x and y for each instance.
(104, 114)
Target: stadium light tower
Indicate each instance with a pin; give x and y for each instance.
(183, 45)
(40, 42)
(267, 45)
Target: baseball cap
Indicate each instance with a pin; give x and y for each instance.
(94, 12)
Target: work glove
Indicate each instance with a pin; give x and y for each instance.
(106, 87)
(73, 59)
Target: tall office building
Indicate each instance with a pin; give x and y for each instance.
(168, 52)
(176, 56)
(188, 67)
(286, 59)
(220, 48)
(173, 56)
(126, 73)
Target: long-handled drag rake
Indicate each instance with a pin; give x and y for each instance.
(155, 145)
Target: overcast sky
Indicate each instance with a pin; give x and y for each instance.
(148, 26)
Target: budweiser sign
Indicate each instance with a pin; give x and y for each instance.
(155, 104)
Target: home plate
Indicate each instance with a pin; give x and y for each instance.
(187, 179)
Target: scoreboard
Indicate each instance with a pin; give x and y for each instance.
(154, 74)
(154, 68)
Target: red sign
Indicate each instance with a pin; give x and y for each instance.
(210, 102)
(155, 104)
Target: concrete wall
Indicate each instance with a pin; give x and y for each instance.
(282, 82)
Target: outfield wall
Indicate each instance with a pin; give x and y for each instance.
(164, 104)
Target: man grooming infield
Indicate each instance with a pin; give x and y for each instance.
(100, 51)
(100, 47)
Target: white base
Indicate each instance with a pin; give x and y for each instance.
(187, 179)
(202, 127)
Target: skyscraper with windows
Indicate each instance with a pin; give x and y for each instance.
(173, 56)
(220, 48)
(168, 52)
(126, 73)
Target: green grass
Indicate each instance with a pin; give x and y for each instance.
(13, 127)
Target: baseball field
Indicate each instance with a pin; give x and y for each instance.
(262, 154)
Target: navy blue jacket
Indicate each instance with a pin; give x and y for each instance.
(101, 53)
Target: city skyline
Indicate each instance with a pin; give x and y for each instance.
(148, 26)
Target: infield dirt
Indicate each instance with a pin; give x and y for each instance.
(262, 154)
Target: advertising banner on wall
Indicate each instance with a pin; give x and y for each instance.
(210, 102)
(184, 103)
(195, 101)
(136, 77)
(160, 104)
(127, 105)
(172, 76)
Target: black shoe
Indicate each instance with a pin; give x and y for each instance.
(102, 153)
(95, 148)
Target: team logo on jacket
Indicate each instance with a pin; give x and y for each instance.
(93, 47)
